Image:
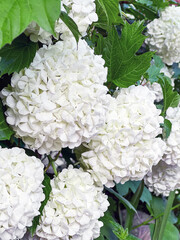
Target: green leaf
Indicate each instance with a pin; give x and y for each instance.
(125, 67)
(171, 98)
(18, 55)
(106, 230)
(154, 70)
(161, 3)
(123, 189)
(167, 128)
(5, 130)
(170, 233)
(15, 16)
(149, 11)
(108, 13)
(47, 190)
(122, 199)
(71, 25)
(45, 13)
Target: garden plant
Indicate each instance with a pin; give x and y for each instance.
(89, 120)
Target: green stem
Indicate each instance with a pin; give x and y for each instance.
(165, 216)
(151, 219)
(54, 168)
(135, 200)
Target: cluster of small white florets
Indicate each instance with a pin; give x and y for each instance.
(164, 35)
(21, 192)
(82, 12)
(156, 87)
(60, 100)
(172, 153)
(125, 147)
(74, 207)
(163, 178)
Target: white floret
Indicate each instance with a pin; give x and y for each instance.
(163, 179)
(125, 147)
(74, 207)
(164, 35)
(21, 179)
(60, 100)
(172, 153)
(82, 12)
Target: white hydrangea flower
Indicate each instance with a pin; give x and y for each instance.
(21, 179)
(125, 147)
(163, 179)
(156, 87)
(36, 33)
(74, 207)
(82, 12)
(172, 153)
(60, 100)
(164, 35)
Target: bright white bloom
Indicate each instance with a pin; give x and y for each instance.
(36, 33)
(74, 207)
(164, 35)
(156, 87)
(83, 12)
(125, 147)
(60, 100)
(163, 179)
(21, 179)
(172, 154)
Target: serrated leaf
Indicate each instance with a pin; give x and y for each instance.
(106, 229)
(171, 98)
(5, 131)
(108, 13)
(124, 201)
(47, 190)
(125, 68)
(71, 25)
(18, 55)
(15, 16)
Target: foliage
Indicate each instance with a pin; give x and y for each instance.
(18, 55)
(16, 15)
(5, 130)
(47, 190)
(125, 67)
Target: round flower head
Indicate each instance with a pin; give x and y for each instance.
(21, 179)
(82, 12)
(125, 147)
(74, 207)
(172, 153)
(60, 100)
(156, 87)
(164, 35)
(163, 179)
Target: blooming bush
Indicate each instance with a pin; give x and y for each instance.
(89, 120)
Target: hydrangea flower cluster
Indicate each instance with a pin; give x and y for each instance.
(21, 192)
(74, 207)
(164, 35)
(126, 147)
(172, 153)
(60, 100)
(82, 12)
(163, 179)
(156, 87)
